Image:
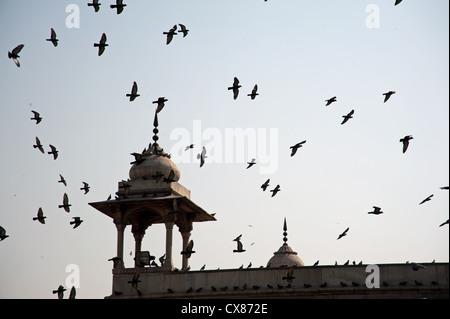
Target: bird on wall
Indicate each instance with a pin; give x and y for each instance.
(3, 233)
(183, 29)
(133, 93)
(405, 140)
(388, 95)
(329, 101)
(73, 293)
(161, 103)
(344, 233)
(53, 151)
(171, 177)
(39, 146)
(95, 4)
(37, 117)
(119, 6)
(235, 87)
(348, 116)
(265, 185)
(65, 204)
(85, 187)
(76, 222)
(254, 92)
(276, 190)
(189, 249)
(40, 216)
(53, 38)
(426, 199)
(295, 147)
(170, 34)
(115, 261)
(101, 45)
(376, 211)
(14, 55)
(60, 292)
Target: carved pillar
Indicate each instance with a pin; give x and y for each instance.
(168, 263)
(120, 231)
(185, 234)
(138, 235)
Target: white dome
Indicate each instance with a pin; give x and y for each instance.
(154, 165)
(285, 257)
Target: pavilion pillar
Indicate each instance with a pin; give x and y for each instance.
(138, 236)
(185, 234)
(120, 231)
(168, 263)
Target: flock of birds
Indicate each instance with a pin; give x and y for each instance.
(235, 88)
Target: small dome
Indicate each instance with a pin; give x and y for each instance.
(154, 165)
(285, 257)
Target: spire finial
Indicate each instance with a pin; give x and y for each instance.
(285, 231)
(155, 130)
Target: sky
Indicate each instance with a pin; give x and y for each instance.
(299, 53)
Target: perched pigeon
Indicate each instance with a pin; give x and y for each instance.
(62, 180)
(348, 116)
(188, 251)
(265, 185)
(60, 292)
(444, 223)
(170, 34)
(73, 293)
(183, 29)
(254, 92)
(344, 233)
(53, 38)
(329, 101)
(115, 261)
(3, 233)
(38, 145)
(37, 117)
(119, 6)
(95, 4)
(40, 216)
(426, 199)
(133, 93)
(85, 188)
(250, 164)
(387, 95)
(160, 103)
(416, 266)
(65, 204)
(14, 55)
(296, 147)
(235, 88)
(171, 177)
(54, 152)
(275, 190)
(376, 211)
(405, 142)
(101, 45)
(76, 222)
(316, 264)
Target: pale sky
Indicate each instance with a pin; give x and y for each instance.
(300, 53)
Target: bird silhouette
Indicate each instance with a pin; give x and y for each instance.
(160, 101)
(101, 45)
(329, 101)
(39, 146)
(376, 211)
(348, 116)
(289, 276)
(397, 2)
(115, 261)
(235, 88)
(405, 140)
(95, 4)
(14, 55)
(202, 156)
(53, 38)
(347, 262)
(275, 190)
(138, 159)
(119, 6)
(416, 266)
(444, 188)
(254, 92)
(426, 199)
(239, 245)
(343, 284)
(387, 95)
(295, 147)
(238, 238)
(73, 293)
(53, 151)
(444, 223)
(60, 292)
(189, 147)
(316, 264)
(85, 187)
(183, 29)
(62, 180)
(134, 282)
(40, 216)
(65, 204)
(133, 93)
(170, 34)
(189, 249)
(265, 185)
(37, 117)
(171, 177)
(344, 233)
(203, 267)
(3, 233)
(76, 222)
(250, 164)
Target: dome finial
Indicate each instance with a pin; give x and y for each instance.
(155, 130)
(285, 231)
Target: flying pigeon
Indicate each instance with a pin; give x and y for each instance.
(397, 2)
(444, 223)
(62, 180)
(183, 29)
(160, 103)
(133, 93)
(254, 92)
(344, 233)
(170, 34)
(15, 54)
(239, 245)
(134, 282)
(444, 187)
(329, 101)
(405, 142)
(53, 38)
(238, 238)
(85, 188)
(250, 164)
(188, 251)
(76, 222)
(53, 151)
(376, 211)
(171, 177)
(387, 95)
(65, 204)
(101, 45)
(235, 88)
(60, 292)
(157, 177)
(95, 4)
(202, 156)
(119, 6)
(37, 117)
(296, 147)
(3, 234)
(265, 185)
(189, 147)
(138, 159)
(275, 190)
(39, 145)
(290, 276)
(40, 216)
(426, 199)
(348, 116)
(115, 261)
